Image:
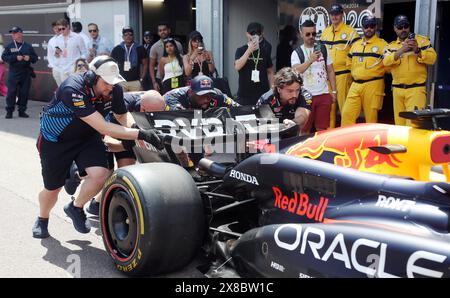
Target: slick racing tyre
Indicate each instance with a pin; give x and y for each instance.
(151, 218)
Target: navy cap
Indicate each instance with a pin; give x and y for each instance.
(202, 85)
(255, 28)
(15, 29)
(369, 20)
(336, 9)
(147, 33)
(127, 29)
(401, 20)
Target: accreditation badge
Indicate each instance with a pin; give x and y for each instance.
(174, 83)
(255, 76)
(127, 66)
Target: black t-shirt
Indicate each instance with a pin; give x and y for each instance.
(178, 99)
(282, 112)
(73, 100)
(248, 88)
(118, 54)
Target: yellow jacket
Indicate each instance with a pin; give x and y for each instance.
(338, 43)
(410, 69)
(365, 58)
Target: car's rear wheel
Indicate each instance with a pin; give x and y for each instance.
(151, 218)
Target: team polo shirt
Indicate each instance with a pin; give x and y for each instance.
(280, 111)
(74, 99)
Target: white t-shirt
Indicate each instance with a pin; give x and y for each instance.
(316, 76)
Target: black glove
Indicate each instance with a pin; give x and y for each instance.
(151, 136)
(128, 144)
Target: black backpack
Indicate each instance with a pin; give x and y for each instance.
(301, 55)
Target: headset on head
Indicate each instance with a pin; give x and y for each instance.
(90, 76)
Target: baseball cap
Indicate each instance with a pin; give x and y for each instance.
(147, 33)
(336, 9)
(401, 20)
(202, 85)
(108, 70)
(127, 29)
(369, 20)
(255, 28)
(15, 29)
(195, 35)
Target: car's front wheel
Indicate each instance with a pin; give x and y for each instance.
(151, 218)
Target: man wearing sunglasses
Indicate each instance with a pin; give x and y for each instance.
(97, 45)
(132, 60)
(408, 57)
(339, 38)
(314, 64)
(69, 46)
(365, 60)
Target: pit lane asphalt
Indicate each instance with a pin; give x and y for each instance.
(20, 182)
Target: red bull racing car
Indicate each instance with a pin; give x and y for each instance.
(370, 200)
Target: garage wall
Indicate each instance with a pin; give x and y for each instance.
(237, 15)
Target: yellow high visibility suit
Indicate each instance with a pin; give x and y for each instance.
(409, 75)
(338, 42)
(365, 60)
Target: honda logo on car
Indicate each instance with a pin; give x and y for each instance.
(394, 203)
(338, 250)
(299, 204)
(244, 177)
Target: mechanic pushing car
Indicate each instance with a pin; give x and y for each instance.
(121, 150)
(200, 95)
(285, 98)
(71, 129)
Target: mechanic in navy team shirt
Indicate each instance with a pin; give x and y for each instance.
(286, 99)
(200, 95)
(71, 129)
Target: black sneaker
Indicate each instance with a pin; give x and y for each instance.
(93, 208)
(9, 115)
(23, 115)
(78, 217)
(40, 228)
(73, 181)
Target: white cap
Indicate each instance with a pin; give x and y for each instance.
(108, 70)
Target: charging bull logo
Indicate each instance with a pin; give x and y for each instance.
(348, 147)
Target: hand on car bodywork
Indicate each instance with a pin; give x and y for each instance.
(151, 137)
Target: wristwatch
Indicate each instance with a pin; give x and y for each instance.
(334, 92)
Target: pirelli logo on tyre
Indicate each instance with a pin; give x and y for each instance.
(133, 264)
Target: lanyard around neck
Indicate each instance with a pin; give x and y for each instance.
(18, 49)
(128, 53)
(256, 60)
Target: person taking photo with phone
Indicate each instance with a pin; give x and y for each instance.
(198, 61)
(314, 64)
(408, 58)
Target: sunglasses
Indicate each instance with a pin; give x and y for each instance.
(81, 65)
(93, 30)
(310, 33)
(168, 39)
(128, 34)
(401, 27)
(371, 26)
(61, 28)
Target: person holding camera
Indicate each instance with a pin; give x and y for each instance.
(314, 64)
(19, 55)
(365, 60)
(198, 61)
(255, 67)
(408, 58)
(71, 129)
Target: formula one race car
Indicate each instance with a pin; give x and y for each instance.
(370, 200)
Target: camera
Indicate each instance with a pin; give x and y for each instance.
(411, 35)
